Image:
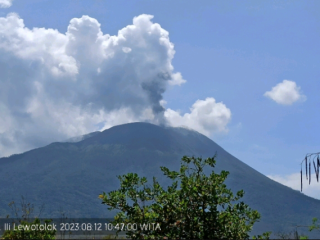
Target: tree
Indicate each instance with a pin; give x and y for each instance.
(200, 208)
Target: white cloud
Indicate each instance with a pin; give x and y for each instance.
(54, 86)
(285, 93)
(5, 3)
(163, 103)
(206, 116)
(126, 49)
(177, 79)
(294, 181)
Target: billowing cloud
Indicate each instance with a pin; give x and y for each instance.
(5, 3)
(206, 116)
(54, 86)
(285, 93)
(294, 181)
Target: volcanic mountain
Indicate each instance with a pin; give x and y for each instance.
(68, 176)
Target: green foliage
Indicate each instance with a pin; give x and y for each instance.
(314, 225)
(265, 235)
(303, 237)
(189, 211)
(27, 233)
(291, 235)
(296, 235)
(25, 220)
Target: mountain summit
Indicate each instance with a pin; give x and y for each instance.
(69, 176)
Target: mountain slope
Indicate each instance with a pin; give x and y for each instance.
(71, 175)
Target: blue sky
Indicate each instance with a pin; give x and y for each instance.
(244, 73)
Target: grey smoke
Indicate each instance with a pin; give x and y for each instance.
(54, 86)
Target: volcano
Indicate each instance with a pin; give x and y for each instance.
(68, 176)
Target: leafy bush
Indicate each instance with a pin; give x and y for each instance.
(28, 233)
(25, 220)
(189, 211)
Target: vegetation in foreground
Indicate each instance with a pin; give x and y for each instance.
(25, 219)
(195, 206)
